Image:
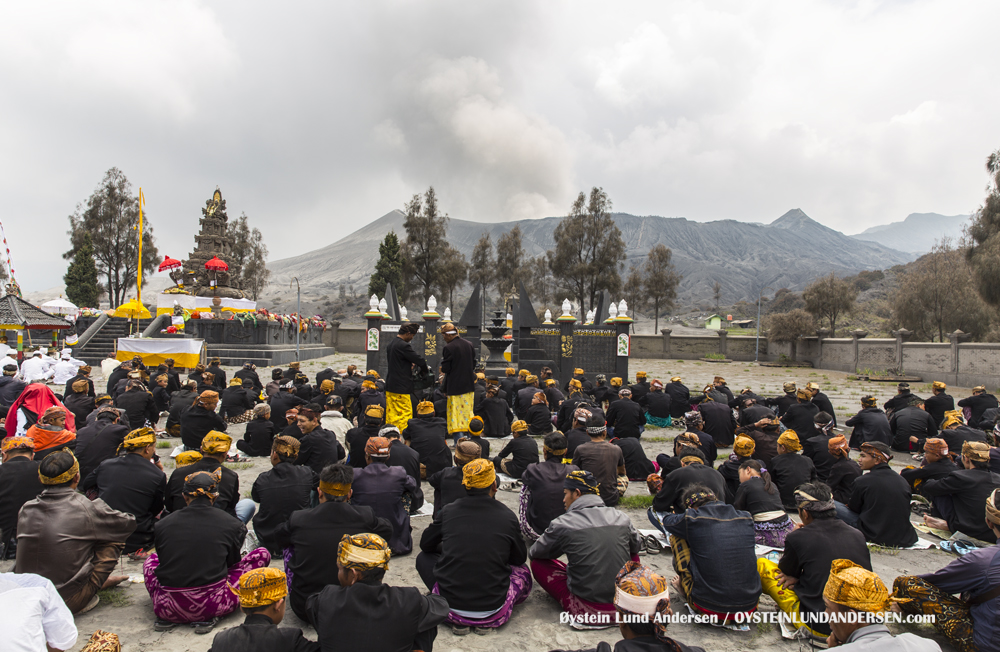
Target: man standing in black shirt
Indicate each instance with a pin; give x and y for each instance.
(400, 359)
(458, 364)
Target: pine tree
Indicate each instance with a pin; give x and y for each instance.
(82, 287)
(389, 268)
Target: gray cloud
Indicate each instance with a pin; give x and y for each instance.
(318, 118)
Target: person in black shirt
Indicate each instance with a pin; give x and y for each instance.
(319, 447)
(262, 594)
(249, 372)
(730, 469)
(285, 488)
(207, 383)
(83, 373)
(935, 465)
(99, 441)
(507, 384)
(782, 403)
(680, 397)
(80, 403)
(458, 364)
(495, 413)
(427, 435)
(200, 419)
(692, 472)
(19, 483)
(553, 396)
(844, 471)
(799, 417)
(282, 402)
(789, 469)
(473, 554)
(978, 403)
(822, 401)
(362, 613)
(797, 581)
(218, 375)
(538, 417)
(135, 485)
(180, 401)
(718, 421)
(910, 426)
(138, 404)
(522, 448)
(625, 417)
(542, 488)
(447, 482)
(751, 411)
(475, 435)
(576, 398)
(939, 403)
(758, 495)
(870, 424)
(637, 465)
(816, 446)
(400, 454)
(902, 398)
(259, 433)
(237, 403)
(197, 548)
(357, 438)
(309, 533)
(880, 502)
(213, 451)
(958, 497)
(160, 394)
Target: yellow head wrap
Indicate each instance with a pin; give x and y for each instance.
(334, 488)
(373, 374)
(368, 384)
(187, 458)
(478, 474)
(852, 586)
(139, 438)
(575, 384)
(425, 407)
(616, 382)
(523, 373)
(531, 378)
(261, 587)
(952, 418)
(375, 411)
(17, 443)
(744, 446)
(216, 442)
(639, 375)
(326, 386)
(235, 382)
(578, 371)
(519, 426)
(675, 379)
(790, 440)
(804, 394)
(363, 552)
(937, 384)
(64, 477)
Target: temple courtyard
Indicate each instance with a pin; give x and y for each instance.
(535, 625)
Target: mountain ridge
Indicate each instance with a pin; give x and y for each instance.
(917, 233)
(789, 252)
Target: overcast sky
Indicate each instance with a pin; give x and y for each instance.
(316, 118)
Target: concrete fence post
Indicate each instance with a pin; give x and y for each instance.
(723, 344)
(857, 335)
(666, 341)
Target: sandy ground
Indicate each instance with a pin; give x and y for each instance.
(127, 611)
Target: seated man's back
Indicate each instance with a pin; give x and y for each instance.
(281, 491)
(19, 483)
(132, 484)
(311, 533)
(197, 545)
(33, 616)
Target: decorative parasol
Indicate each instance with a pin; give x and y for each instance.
(217, 265)
(169, 263)
(59, 306)
(132, 309)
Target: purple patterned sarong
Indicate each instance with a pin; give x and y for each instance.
(287, 555)
(199, 603)
(772, 533)
(520, 587)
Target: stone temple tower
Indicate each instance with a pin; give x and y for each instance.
(212, 241)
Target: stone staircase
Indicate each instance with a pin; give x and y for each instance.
(106, 339)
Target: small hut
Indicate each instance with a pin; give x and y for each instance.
(19, 315)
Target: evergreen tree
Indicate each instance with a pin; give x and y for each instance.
(425, 250)
(82, 287)
(389, 268)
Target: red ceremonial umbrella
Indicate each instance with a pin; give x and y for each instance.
(169, 263)
(216, 265)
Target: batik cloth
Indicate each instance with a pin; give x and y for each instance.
(287, 555)
(243, 418)
(527, 531)
(787, 600)
(551, 575)
(460, 412)
(772, 533)
(399, 409)
(520, 587)
(951, 615)
(659, 422)
(682, 566)
(199, 603)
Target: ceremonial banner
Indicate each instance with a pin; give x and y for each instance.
(186, 352)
